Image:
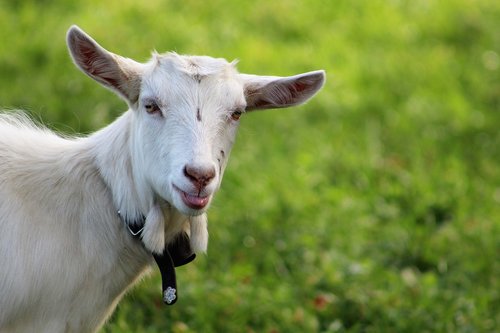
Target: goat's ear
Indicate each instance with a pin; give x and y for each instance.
(117, 73)
(269, 92)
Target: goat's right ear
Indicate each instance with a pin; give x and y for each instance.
(121, 75)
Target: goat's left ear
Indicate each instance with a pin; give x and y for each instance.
(269, 92)
(121, 75)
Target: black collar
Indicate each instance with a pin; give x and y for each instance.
(176, 254)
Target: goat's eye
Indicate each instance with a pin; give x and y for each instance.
(151, 107)
(236, 115)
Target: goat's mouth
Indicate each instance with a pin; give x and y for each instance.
(193, 201)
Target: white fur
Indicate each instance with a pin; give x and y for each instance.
(153, 234)
(66, 257)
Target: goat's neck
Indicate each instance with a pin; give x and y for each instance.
(112, 151)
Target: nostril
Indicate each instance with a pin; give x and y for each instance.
(190, 173)
(199, 176)
(209, 174)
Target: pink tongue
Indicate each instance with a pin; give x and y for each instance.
(196, 201)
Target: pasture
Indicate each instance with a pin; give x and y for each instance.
(373, 208)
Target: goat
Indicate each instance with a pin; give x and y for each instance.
(69, 207)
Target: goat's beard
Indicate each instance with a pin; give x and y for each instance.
(153, 235)
(162, 216)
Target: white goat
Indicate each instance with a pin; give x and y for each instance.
(66, 253)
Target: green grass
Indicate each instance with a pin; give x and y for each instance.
(374, 208)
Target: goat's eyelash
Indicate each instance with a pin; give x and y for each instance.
(151, 107)
(236, 114)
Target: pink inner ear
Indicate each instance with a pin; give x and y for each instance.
(99, 65)
(281, 92)
(296, 89)
(300, 86)
(87, 57)
(85, 53)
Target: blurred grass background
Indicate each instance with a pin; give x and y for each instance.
(374, 208)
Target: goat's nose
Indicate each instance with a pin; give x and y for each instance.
(199, 176)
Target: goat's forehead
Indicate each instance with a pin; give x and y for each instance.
(196, 67)
(190, 78)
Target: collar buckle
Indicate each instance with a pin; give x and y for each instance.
(137, 232)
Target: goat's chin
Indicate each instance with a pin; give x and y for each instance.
(184, 209)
